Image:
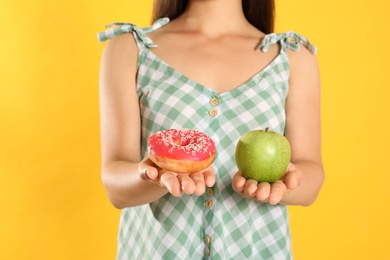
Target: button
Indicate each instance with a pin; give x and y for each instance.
(210, 192)
(213, 112)
(209, 203)
(214, 102)
(207, 239)
(207, 251)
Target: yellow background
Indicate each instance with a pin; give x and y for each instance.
(52, 204)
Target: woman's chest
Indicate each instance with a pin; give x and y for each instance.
(221, 66)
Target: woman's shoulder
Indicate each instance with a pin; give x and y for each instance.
(302, 60)
(121, 47)
(119, 59)
(298, 49)
(120, 40)
(124, 40)
(301, 52)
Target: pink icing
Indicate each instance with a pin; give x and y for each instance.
(182, 144)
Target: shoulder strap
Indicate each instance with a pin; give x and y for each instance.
(289, 40)
(140, 33)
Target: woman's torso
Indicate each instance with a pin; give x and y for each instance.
(234, 98)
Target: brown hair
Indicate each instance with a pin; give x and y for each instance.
(260, 13)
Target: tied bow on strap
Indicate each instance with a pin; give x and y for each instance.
(124, 28)
(129, 27)
(290, 39)
(269, 40)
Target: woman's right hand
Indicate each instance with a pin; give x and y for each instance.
(177, 183)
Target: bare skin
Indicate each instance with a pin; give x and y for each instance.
(215, 35)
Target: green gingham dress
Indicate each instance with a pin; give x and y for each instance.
(220, 224)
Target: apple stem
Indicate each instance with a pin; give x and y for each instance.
(266, 129)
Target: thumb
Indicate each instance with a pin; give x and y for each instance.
(148, 170)
(292, 177)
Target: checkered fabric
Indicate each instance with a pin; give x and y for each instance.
(220, 224)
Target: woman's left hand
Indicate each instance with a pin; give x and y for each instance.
(272, 193)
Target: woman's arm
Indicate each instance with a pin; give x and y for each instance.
(303, 129)
(120, 126)
(305, 175)
(128, 179)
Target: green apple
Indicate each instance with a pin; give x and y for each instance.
(263, 155)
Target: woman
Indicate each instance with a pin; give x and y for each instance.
(214, 66)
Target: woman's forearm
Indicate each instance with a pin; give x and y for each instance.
(310, 183)
(126, 188)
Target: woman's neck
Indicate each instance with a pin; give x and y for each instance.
(214, 18)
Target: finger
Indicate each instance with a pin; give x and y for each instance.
(187, 184)
(250, 188)
(292, 179)
(199, 181)
(238, 182)
(263, 191)
(278, 189)
(170, 181)
(148, 170)
(209, 178)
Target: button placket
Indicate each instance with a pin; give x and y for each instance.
(209, 203)
(207, 239)
(209, 216)
(209, 191)
(214, 101)
(207, 251)
(214, 111)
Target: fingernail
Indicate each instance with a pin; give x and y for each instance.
(145, 174)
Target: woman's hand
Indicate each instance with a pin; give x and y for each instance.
(266, 192)
(177, 183)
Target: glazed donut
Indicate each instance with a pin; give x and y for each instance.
(181, 150)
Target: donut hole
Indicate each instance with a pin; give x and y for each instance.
(182, 141)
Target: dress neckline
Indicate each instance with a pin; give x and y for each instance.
(251, 81)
